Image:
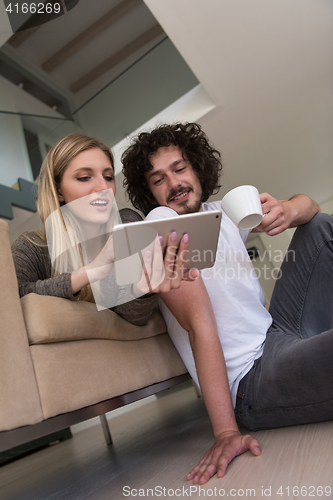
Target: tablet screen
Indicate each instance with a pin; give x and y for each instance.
(133, 239)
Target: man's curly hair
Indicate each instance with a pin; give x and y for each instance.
(205, 161)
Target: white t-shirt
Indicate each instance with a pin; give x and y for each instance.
(238, 303)
(237, 299)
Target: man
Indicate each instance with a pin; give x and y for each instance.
(278, 363)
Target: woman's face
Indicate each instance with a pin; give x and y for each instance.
(88, 186)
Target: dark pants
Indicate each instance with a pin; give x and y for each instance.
(292, 382)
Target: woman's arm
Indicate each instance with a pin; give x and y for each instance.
(33, 268)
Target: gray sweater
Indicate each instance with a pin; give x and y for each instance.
(33, 269)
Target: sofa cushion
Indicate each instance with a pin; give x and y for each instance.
(73, 375)
(53, 319)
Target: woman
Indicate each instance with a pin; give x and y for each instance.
(75, 203)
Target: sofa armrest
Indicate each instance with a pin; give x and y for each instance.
(19, 397)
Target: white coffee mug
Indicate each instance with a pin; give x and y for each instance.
(242, 205)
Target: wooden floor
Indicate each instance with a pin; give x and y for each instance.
(155, 446)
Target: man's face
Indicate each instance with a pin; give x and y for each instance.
(173, 181)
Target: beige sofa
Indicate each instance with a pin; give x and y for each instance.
(62, 361)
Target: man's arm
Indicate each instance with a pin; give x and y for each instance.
(191, 306)
(279, 215)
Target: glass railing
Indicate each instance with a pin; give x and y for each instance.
(28, 127)
(24, 142)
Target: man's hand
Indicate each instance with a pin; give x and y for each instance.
(279, 215)
(228, 445)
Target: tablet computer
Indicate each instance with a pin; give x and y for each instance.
(133, 239)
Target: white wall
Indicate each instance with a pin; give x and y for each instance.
(268, 66)
(327, 206)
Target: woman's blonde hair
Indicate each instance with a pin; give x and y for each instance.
(56, 161)
(66, 247)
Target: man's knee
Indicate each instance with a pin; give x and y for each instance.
(320, 226)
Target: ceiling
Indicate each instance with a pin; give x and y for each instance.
(77, 54)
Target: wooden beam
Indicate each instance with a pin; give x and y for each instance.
(21, 36)
(116, 58)
(88, 34)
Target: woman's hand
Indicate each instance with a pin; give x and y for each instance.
(164, 274)
(103, 263)
(159, 274)
(97, 269)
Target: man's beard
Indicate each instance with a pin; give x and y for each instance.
(186, 207)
